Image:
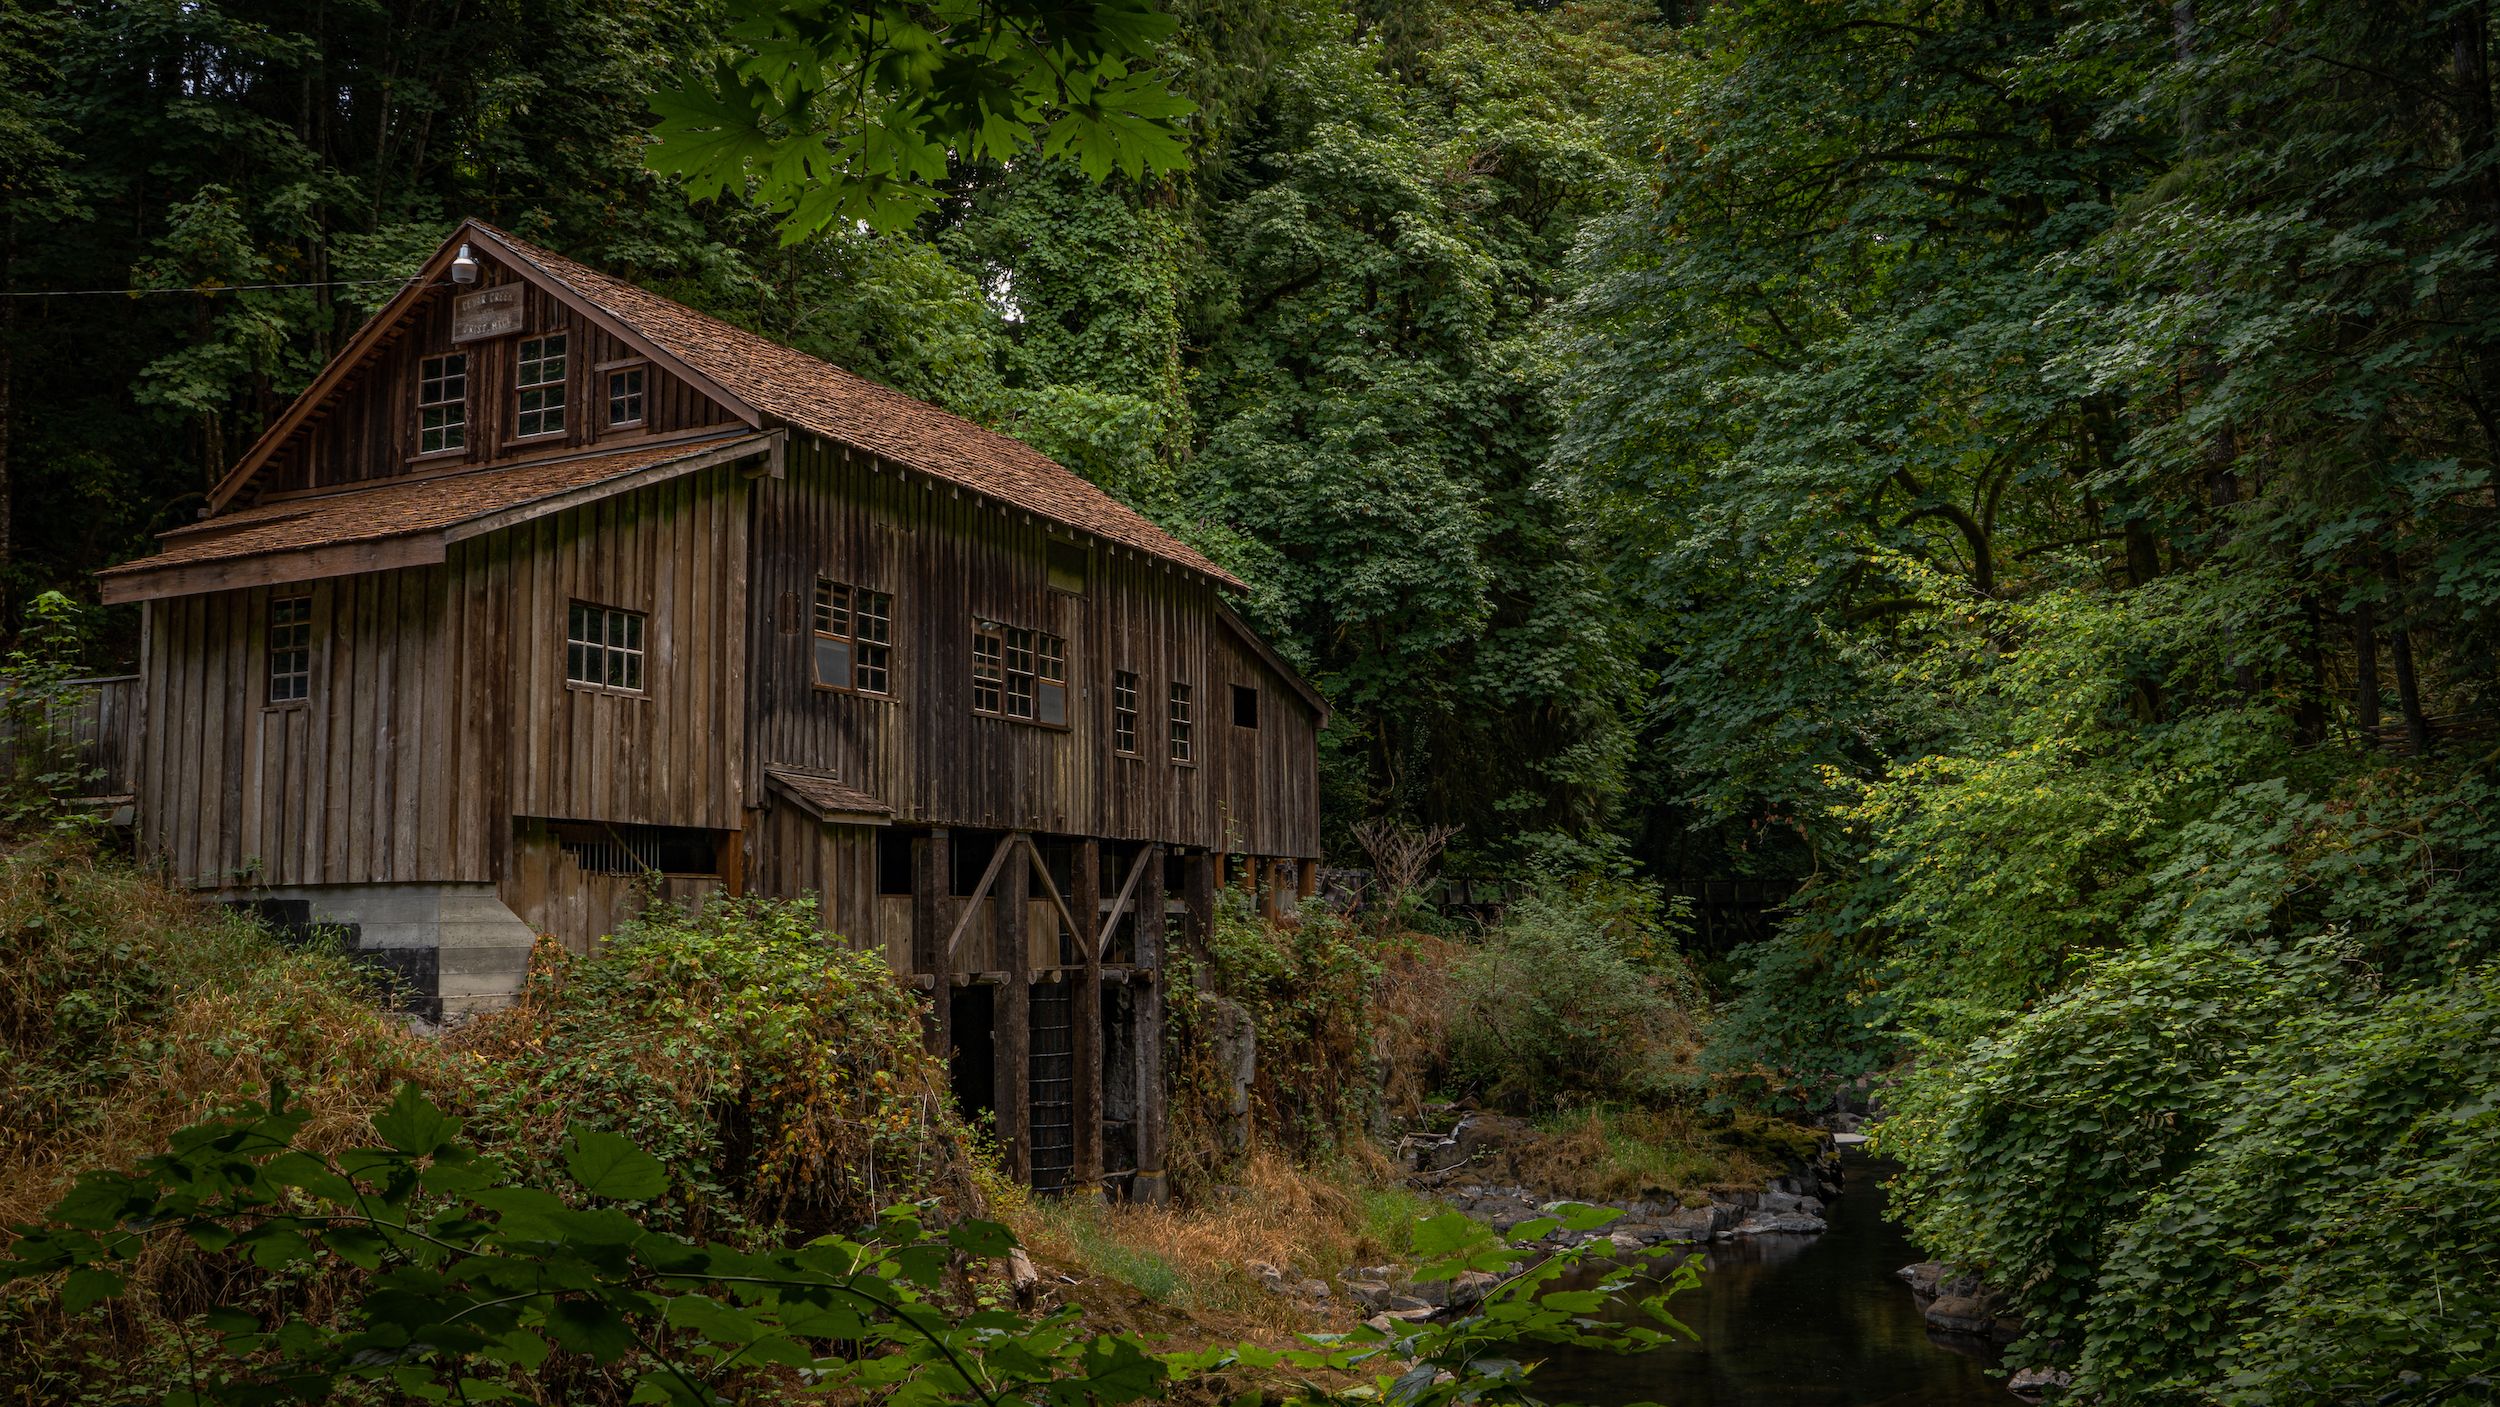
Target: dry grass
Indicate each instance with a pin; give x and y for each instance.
(1617, 1155)
(1308, 1222)
(128, 1011)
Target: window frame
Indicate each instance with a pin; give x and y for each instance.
(1180, 724)
(608, 373)
(850, 635)
(441, 372)
(299, 625)
(561, 384)
(637, 651)
(997, 649)
(1124, 716)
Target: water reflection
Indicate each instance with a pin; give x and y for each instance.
(1798, 1321)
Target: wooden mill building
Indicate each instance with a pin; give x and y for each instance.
(548, 585)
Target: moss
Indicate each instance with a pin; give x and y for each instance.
(1784, 1142)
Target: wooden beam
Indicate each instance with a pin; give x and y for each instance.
(929, 871)
(1128, 888)
(1050, 888)
(270, 569)
(998, 861)
(1198, 897)
(1012, 1029)
(1085, 1035)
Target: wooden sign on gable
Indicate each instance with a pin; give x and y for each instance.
(489, 312)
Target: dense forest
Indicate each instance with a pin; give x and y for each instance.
(2013, 479)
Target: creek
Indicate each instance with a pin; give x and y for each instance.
(1797, 1321)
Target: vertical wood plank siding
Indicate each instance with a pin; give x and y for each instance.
(438, 707)
(368, 428)
(949, 559)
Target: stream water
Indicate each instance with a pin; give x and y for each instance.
(1797, 1321)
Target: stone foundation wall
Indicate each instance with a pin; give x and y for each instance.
(450, 951)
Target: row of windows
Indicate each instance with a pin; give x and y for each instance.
(539, 390)
(1016, 673)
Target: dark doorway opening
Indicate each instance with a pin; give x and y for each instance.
(1122, 1097)
(972, 1067)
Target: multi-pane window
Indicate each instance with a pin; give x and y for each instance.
(625, 396)
(1180, 719)
(603, 648)
(541, 381)
(1123, 711)
(443, 403)
(290, 648)
(854, 637)
(1019, 673)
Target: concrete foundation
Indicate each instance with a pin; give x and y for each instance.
(450, 950)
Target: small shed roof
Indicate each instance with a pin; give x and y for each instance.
(399, 522)
(826, 797)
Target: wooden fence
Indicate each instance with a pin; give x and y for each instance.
(99, 721)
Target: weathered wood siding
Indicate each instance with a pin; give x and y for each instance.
(949, 559)
(438, 708)
(347, 786)
(530, 744)
(368, 427)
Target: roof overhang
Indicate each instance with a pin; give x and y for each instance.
(150, 579)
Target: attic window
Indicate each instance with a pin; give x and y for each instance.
(1020, 674)
(854, 637)
(603, 648)
(625, 396)
(1068, 563)
(1245, 706)
(542, 388)
(443, 403)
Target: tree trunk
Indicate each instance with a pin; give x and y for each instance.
(2365, 673)
(2309, 712)
(2400, 646)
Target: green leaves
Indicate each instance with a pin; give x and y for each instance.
(852, 112)
(609, 1165)
(412, 1124)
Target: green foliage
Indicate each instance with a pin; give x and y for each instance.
(473, 1284)
(1578, 995)
(853, 112)
(1310, 991)
(40, 700)
(784, 1080)
(2217, 1173)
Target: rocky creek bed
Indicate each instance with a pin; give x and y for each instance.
(1806, 1297)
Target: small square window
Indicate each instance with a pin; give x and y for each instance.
(290, 649)
(625, 396)
(603, 648)
(1245, 706)
(541, 383)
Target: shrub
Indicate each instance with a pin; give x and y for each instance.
(1579, 994)
(2220, 1173)
(782, 1077)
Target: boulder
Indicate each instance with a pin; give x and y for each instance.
(1781, 1223)
(2036, 1382)
(1925, 1277)
(1962, 1315)
(1269, 1277)
(1471, 1288)
(1370, 1294)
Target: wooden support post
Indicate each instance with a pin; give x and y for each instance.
(1013, 1029)
(1198, 880)
(1308, 885)
(1151, 1187)
(1271, 899)
(1085, 1089)
(931, 877)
